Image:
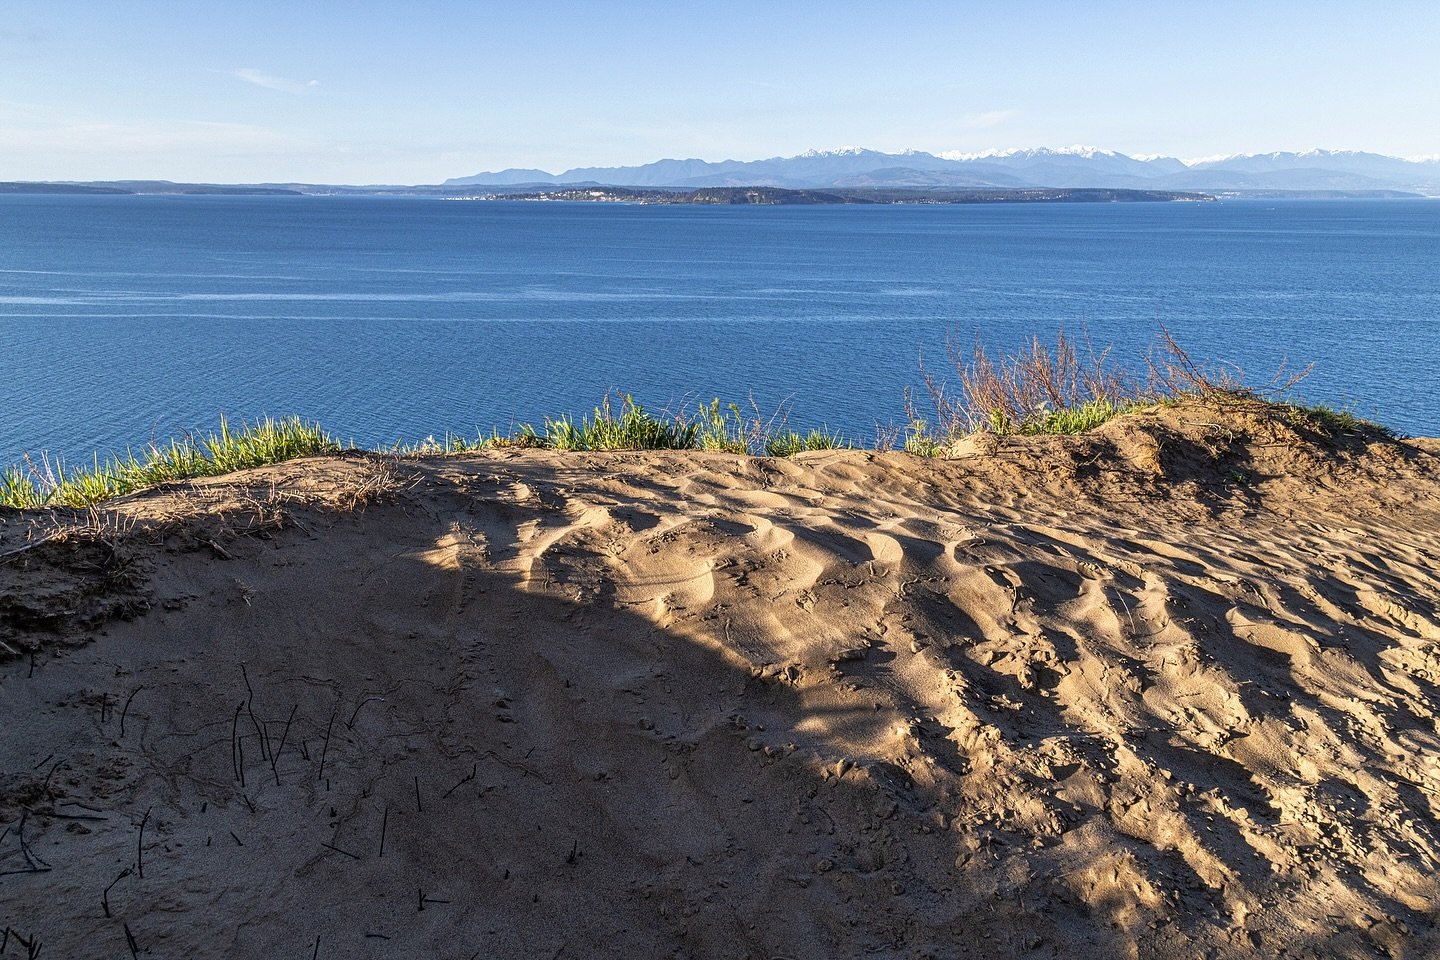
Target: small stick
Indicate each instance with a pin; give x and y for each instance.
(354, 716)
(234, 743)
(326, 749)
(418, 808)
(424, 899)
(127, 708)
(75, 816)
(140, 844)
(473, 770)
(29, 546)
(275, 755)
(130, 939)
(43, 762)
(240, 751)
(259, 732)
(46, 788)
(36, 864)
(331, 846)
(384, 823)
(316, 952)
(236, 839)
(250, 706)
(85, 806)
(32, 665)
(105, 897)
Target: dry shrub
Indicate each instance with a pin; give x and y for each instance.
(1018, 391)
(1069, 387)
(1171, 372)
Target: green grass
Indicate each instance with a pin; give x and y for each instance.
(1012, 397)
(1077, 419)
(47, 483)
(788, 443)
(51, 484)
(1336, 423)
(631, 429)
(722, 428)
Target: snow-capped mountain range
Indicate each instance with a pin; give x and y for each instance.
(1077, 166)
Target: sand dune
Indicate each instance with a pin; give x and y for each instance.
(1165, 690)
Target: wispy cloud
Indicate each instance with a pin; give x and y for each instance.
(21, 36)
(988, 119)
(271, 82)
(139, 139)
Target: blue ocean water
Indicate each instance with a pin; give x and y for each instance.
(124, 319)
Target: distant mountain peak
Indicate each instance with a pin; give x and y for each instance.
(1076, 166)
(840, 152)
(1077, 150)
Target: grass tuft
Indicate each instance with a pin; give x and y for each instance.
(1335, 423)
(47, 483)
(631, 429)
(789, 442)
(1079, 418)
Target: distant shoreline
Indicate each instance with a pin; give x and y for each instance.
(774, 196)
(706, 196)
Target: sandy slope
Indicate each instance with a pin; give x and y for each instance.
(1168, 690)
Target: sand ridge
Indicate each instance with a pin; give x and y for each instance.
(1168, 689)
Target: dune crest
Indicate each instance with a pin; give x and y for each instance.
(1165, 689)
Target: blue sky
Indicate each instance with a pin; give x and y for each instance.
(365, 92)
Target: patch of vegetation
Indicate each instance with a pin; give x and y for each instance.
(723, 428)
(789, 442)
(1041, 389)
(1335, 423)
(631, 429)
(47, 483)
(1079, 418)
(1067, 388)
(1070, 388)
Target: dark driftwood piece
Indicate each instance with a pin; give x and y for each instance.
(127, 708)
(275, 754)
(140, 844)
(237, 756)
(105, 897)
(464, 780)
(46, 788)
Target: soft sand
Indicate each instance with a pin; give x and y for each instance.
(1167, 690)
